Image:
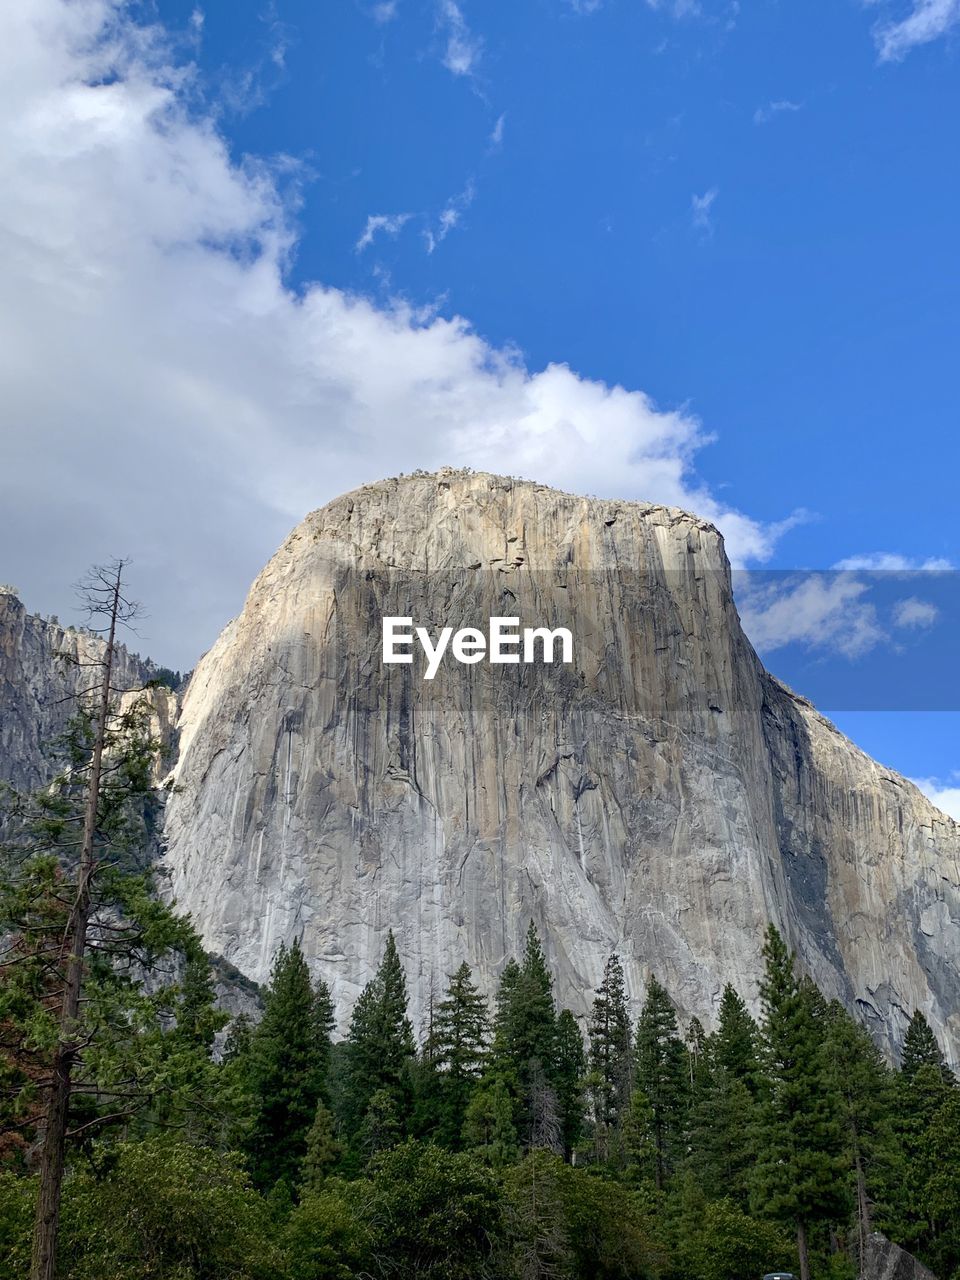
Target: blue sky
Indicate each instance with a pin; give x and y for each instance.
(744, 214)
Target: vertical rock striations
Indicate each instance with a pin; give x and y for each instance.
(663, 796)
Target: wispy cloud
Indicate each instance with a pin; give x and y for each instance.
(679, 8)
(927, 21)
(390, 224)
(462, 48)
(584, 6)
(893, 562)
(450, 216)
(496, 134)
(700, 207)
(384, 12)
(763, 115)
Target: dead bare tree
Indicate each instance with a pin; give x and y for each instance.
(104, 599)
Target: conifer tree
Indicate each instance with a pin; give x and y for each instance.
(456, 1050)
(568, 1081)
(864, 1087)
(525, 1033)
(799, 1175)
(322, 1151)
(661, 1075)
(611, 1067)
(288, 1058)
(920, 1049)
(380, 1044)
(488, 1127)
(733, 1046)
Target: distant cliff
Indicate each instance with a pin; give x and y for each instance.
(663, 797)
(43, 666)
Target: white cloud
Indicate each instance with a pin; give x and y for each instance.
(892, 562)
(679, 8)
(819, 611)
(915, 614)
(700, 207)
(167, 396)
(450, 216)
(928, 20)
(496, 134)
(585, 6)
(945, 796)
(384, 12)
(763, 115)
(390, 224)
(462, 49)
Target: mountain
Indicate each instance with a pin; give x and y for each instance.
(661, 795)
(43, 666)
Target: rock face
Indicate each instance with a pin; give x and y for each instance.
(884, 1260)
(662, 796)
(42, 668)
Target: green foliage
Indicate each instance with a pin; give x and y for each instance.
(285, 1067)
(720, 1241)
(920, 1049)
(661, 1075)
(329, 1235)
(488, 1128)
(456, 1050)
(800, 1171)
(611, 1068)
(380, 1047)
(436, 1214)
(165, 1210)
(322, 1151)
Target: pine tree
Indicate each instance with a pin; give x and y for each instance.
(381, 1128)
(611, 1067)
(864, 1087)
(525, 1032)
(456, 1049)
(288, 1058)
(570, 1067)
(733, 1046)
(322, 1151)
(380, 1044)
(799, 1175)
(661, 1074)
(920, 1048)
(488, 1127)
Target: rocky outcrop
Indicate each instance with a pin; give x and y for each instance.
(43, 668)
(884, 1260)
(662, 796)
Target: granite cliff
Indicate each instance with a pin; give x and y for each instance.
(662, 796)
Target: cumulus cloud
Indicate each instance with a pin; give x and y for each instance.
(390, 224)
(169, 397)
(462, 49)
(945, 795)
(763, 115)
(928, 20)
(915, 614)
(700, 207)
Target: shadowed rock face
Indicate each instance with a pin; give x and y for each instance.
(662, 796)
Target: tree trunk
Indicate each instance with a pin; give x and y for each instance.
(44, 1259)
(864, 1223)
(802, 1251)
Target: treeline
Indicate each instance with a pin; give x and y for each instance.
(508, 1143)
